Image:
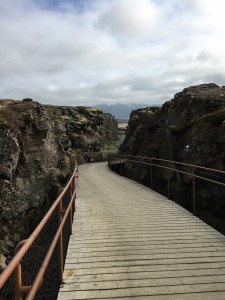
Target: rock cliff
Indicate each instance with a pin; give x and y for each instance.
(36, 142)
(189, 128)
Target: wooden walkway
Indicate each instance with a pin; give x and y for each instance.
(129, 242)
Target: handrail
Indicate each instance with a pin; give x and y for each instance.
(170, 165)
(25, 245)
(182, 172)
(166, 160)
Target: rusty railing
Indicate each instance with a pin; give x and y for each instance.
(130, 166)
(27, 275)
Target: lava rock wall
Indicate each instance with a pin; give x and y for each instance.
(36, 142)
(190, 128)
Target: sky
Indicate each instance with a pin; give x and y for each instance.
(88, 52)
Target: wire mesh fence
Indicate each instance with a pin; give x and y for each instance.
(33, 259)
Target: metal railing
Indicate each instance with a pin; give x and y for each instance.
(130, 166)
(36, 270)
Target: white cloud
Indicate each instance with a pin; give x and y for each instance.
(104, 51)
(129, 21)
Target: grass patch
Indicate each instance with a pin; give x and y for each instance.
(112, 146)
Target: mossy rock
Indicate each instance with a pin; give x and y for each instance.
(2, 182)
(28, 118)
(80, 160)
(81, 120)
(215, 118)
(66, 118)
(95, 110)
(62, 172)
(4, 124)
(21, 107)
(134, 117)
(147, 112)
(5, 102)
(180, 129)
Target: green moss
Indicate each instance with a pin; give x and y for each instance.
(15, 115)
(215, 118)
(4, 124)
(134, 117)
(180, 129)
(27, 118)
(82, 120)
(63, 170)
(6, 102)
(80, 160)
(146, 111)
(9, 119)
(66, 118)
(95, 110)
(21, 107)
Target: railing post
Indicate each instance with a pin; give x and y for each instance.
(151, 173)
(120, 166)
(71, 208)
(18, 283)
(60, 246)
(168, 180)
(19, 288)
(138, 171)
(193, 192)
(74, 202)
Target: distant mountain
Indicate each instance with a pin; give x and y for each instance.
(121, 111)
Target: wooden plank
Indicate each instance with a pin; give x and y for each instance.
(139, 273)
(144, 282)
(146, 251)
(144, 291)
(71, 270)
(148, 257)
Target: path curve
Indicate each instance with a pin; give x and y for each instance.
(129, 242)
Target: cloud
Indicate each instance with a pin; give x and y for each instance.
(86, 52)
(136, 21)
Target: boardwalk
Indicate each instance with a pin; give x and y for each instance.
(131, 243)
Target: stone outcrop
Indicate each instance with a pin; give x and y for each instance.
(190, 128)
(36, 142)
